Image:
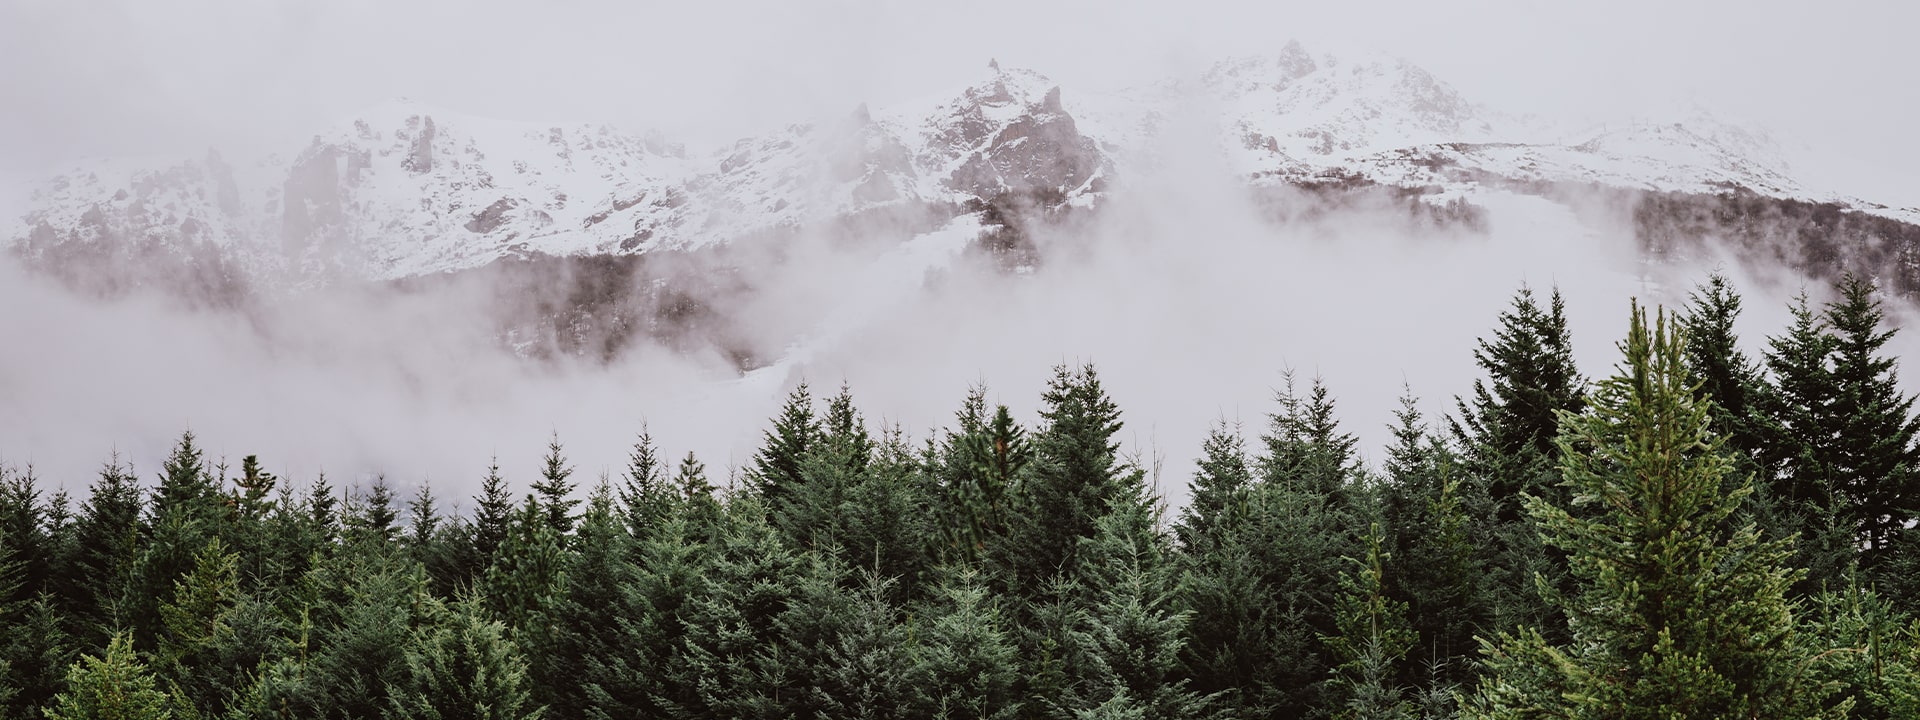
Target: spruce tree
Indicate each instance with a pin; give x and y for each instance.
(964, 664)
(1725, 373)
(1505, 435)
(976, 469)
(1304, 445)
(645, 496)
(107, 539)
(554, 490)
(1875, 453)
(1133, 631)
(461, 665)
(1432, 562)
(1219, 490)
(116, 686)
(776, 468)
(1674, 613)
(492, 520)
(1373, 639)
(1075, 474)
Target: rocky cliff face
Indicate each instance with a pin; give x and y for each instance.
(407, 191)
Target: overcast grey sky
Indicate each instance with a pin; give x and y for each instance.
(133, 76)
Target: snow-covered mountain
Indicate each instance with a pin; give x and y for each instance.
(404, 190)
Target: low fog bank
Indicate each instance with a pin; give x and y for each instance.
(1183, 291)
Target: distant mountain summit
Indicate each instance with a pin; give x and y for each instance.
(404, 190)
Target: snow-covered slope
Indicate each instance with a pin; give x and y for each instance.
(404, 190)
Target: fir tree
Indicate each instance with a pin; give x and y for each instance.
(964, 664)
(1674, 613)
(1304, 444)
(645, 497)
(1373, 639)
(1432, 564)
(462, 666)
(114, 687)
(107, 539)
(1875, 454)
(1075, 474)
(1134, 629)
(776, 468)
(1725, 374)
(555, 491)
(492, 519)
(1505, 434)
(1219, 489)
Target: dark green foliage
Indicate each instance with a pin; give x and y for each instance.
(1845, 439)
(1128, 639)
(555, 490)
(996, 571)
(492, 519)
(1674, 614)
(371, 518)
(460, 665)
(1432, 563)
(1505, 435)
(34, 648)
(1870, 649)
(1261, 591)
(1070, 483)
(1373, 638)
(1507, 429)
(646, 498)
(1305, 448)
(1724, 373)
(964, 664)
(1874, 455)
(976, 468)
(1219, 490)
(777, 466)
(107, 539)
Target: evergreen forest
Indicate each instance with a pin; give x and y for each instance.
(1693, 533)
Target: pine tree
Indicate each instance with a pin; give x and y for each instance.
(554, 490)
(1508, 429)
(1875, 453)
(527, 573)
(107, 538)
(1876, 661)
(371, 518)
(191, 621)
(1725, 374)
(1505, 434)
(964, 665)
(1134, 630)
(1674, 613)
(1304, 444)
(462, 665)
(1432, 564)
(1373, 639)
(492, 520)
(976, 469)
(645, 497)
(776, 468)
(584, 622)
(114, 687)
(185, 485)
(33, 648)
(1219, 490)
(1075, 474)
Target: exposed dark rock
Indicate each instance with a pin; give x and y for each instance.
(492, 217)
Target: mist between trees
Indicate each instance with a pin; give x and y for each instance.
(1699, 534)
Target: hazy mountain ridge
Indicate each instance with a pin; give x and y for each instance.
(405, 190)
